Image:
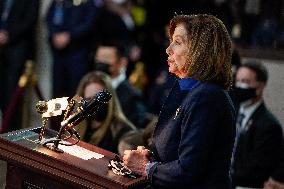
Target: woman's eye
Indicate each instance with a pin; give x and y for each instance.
(177, 42)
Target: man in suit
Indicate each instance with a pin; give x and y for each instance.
(70, 24)
(259, 138)
(18, 20)
(110, 58)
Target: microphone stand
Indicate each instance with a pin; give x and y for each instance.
(74, 119)
(56, 140)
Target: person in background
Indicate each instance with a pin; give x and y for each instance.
(259, 138)
(142, 137)
(130, 141)
(109, 124)
(70, 24)
(194, 135)
(110, 58)
(115, 22)
(18, 20)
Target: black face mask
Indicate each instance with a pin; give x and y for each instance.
(101, 114)
(103, 67)
(244, 94)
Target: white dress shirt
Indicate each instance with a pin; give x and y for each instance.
(247, 111)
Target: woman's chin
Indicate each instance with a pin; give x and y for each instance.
(172, 70)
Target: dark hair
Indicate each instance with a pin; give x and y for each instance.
(210, 48)
(259, 69)
(118, 45)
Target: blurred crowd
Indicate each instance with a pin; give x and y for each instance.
(120, 45)
(77, 27)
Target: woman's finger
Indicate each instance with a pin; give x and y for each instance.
(126, 152)
(141, 148)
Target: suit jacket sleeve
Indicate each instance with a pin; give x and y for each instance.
(198, 130)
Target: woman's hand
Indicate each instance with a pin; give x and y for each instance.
(136, 160)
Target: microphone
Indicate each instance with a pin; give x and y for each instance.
(88, 108)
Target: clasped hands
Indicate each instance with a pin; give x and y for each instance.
(61, 40)
(136, 160)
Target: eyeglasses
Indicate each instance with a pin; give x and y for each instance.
(117, 167)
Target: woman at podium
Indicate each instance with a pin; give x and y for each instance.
(194, 136)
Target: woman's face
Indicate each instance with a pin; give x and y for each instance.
(177, 52)
(92, 89)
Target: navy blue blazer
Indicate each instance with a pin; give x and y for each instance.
(78, 20)
(193, 139)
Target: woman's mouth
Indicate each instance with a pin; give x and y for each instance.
(170, 61)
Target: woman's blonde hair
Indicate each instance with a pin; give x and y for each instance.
(210, 48)
(114, 108)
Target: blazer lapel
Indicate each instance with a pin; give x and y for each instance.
(254, 117)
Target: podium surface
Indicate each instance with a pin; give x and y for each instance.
(33, 166)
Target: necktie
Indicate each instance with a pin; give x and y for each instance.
(240, 119)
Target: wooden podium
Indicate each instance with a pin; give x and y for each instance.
(33, 166)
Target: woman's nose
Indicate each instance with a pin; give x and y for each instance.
(169, 50)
